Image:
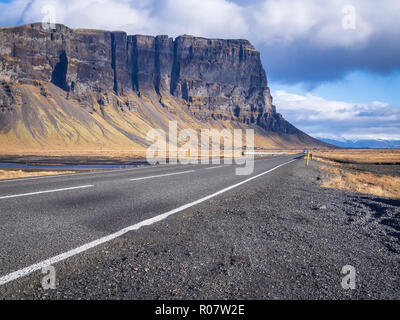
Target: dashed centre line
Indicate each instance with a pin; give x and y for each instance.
(162, 175)
(46, 191)
(226, 165)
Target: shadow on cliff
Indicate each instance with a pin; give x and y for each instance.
(59, 75)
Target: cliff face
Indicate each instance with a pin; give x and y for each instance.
(209, 79)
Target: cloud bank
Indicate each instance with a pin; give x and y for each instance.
(301, 41)
(338, 119)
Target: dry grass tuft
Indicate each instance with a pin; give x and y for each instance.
(362, 182)
(13, 174)
(319, 159)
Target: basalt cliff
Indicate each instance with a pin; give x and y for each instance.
(70, 89)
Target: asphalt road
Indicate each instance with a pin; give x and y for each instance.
(44, 217)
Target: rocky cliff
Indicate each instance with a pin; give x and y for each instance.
(84, 88)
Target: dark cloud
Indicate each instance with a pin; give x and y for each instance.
(304, 62)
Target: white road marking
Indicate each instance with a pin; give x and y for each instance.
(46, 191)
(94, 173)
(38, 266)
(225, 165)
(162, 175)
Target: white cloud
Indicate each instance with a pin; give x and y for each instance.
(320, 22)
(285, 20)
(379, 104)
(208, 18)
(313, 107)
(264, 21)
(338, 119)
(96, 14)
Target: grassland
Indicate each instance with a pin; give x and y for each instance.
(375, 172)
(14, 174)
(361, 155)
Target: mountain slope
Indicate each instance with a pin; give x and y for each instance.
(64, 89)
(365, 144)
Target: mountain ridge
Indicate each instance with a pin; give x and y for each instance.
(96, 88)
(365, 143)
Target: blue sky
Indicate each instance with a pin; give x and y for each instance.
(333, 66)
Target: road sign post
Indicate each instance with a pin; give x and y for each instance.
(308, 158)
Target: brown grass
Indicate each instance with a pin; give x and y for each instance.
(108, 154)
(362, 182)
(13, 174)
(362, 155)
(323, 160)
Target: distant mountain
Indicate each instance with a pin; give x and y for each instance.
(64, 89)
(365, 144)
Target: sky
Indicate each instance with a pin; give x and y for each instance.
(333, 66)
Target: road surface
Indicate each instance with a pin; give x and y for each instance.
(62, 216)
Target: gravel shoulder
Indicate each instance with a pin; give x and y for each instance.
(280, 236)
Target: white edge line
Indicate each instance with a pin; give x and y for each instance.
(161, 175)
(38, 266)
(46, 191)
